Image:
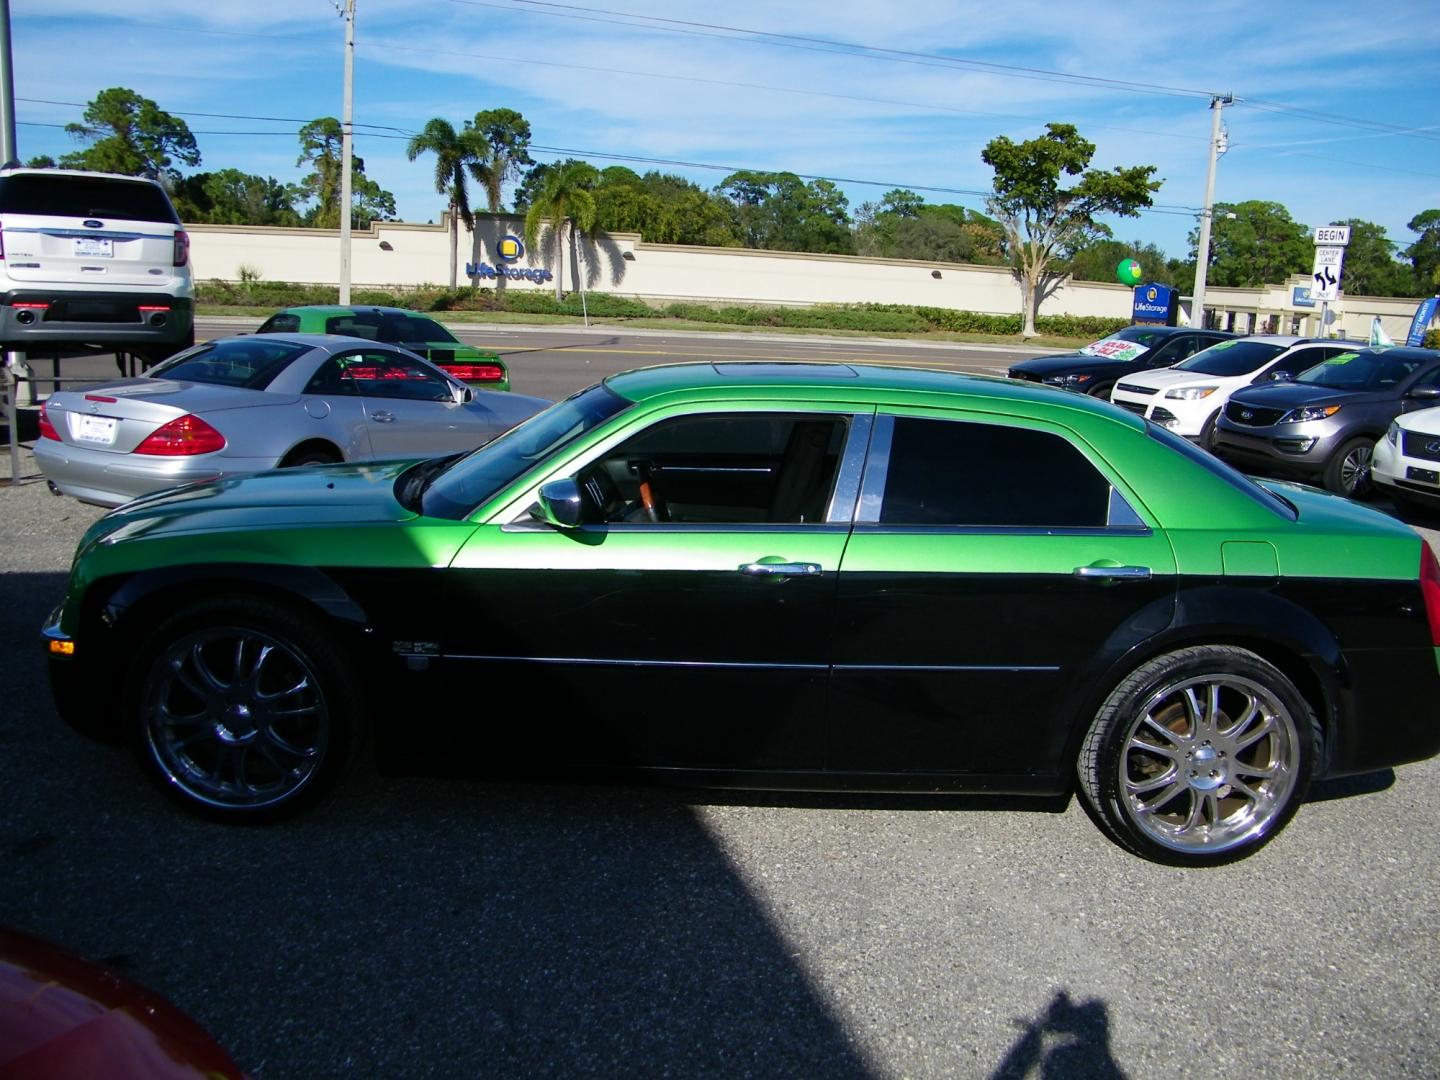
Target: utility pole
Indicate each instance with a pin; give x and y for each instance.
(1202, 253)
(347, 136)
(8, 152)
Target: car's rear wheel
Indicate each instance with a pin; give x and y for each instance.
(1101, 391)
(311, 454)
(1348, 470)
(243, 709)
(1199, 756)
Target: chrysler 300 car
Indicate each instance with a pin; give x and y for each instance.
(793, 576)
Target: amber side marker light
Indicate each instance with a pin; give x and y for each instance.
(62, 648)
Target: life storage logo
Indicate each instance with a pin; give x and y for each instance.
(509, 249)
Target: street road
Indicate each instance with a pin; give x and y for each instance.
(417, 926)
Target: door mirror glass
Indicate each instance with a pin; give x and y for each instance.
(560, 504)
(1425, 392)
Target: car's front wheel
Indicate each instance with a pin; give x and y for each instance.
(243, 709)
(1199, 756)
(1348, 470)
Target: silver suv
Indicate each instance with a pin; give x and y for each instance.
(92, 259)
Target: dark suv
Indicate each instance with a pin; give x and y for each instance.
(92, 259)
(1324, 424)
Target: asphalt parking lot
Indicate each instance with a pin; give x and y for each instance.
(417, 926)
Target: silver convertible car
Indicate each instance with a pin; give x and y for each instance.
(247, 404)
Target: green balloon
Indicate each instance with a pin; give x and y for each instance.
(1128, 272)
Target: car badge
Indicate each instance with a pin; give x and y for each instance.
(93, 224)
(1433, 446)
(94, 408)
(1246, 414)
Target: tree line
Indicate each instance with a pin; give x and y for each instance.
(1033, 222)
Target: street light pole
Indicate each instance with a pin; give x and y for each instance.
(347, 135)
(1202, 252)
(8, 152)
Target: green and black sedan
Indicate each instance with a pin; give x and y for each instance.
(397, 326)
(793, 576)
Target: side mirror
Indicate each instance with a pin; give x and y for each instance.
(463, 395)
(1431, 392)
(561, 504)
(1279, 376)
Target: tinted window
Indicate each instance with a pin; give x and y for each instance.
(395, 329)
(1301, 360)
(247, 362)
(478, 476)
(280, 324)
(391, 375)
(1226, 358)
(84, 196)
(1362, 370)
(951, 473)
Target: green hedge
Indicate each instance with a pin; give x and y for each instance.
(1432, 338)
(876, 318)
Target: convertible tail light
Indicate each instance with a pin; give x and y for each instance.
(47, 429)
(182, 436)
(1430, 589)
(475, 372)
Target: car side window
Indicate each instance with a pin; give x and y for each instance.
(960, 473)
(280, 324)
(1295, 363)
(742, 468)
(1178, 348)
(393, 375)
(361, 325)
(331, 379)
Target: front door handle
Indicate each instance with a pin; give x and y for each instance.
(1113, 573)
(382, 416)
(781, 569)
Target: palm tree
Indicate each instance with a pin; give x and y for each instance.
(564, 196)
(456, 153)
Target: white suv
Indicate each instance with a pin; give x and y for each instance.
(1188, 397)
(92, 259)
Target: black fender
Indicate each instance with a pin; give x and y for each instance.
(1219, 613)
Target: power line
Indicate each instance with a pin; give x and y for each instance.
(219, 116)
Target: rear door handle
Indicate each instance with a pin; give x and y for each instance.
(382, 416)
(781, 569)
(1113, 573)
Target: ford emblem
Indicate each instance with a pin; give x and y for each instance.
(93, 224)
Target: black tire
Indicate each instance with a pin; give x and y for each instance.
(1102, 391)
(1347, 472)
(1175, 786)
(1207, 433)
(310, 455)
(243, 709)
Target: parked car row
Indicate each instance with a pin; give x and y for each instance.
(1308, 409)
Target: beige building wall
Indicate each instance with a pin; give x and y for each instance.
(390, 254)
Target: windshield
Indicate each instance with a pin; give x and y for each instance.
(473, 479)
(391, 327)
(1360, 371)
(248, 362)
(1127, 344)
(1231, 358)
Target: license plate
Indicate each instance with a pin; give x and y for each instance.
(94, 247)
(96, 429)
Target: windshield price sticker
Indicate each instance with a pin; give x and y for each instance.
(1115, 350)
(96, 429)
(94, 247)
(1343, 358)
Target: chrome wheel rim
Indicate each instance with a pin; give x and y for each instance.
(1209, 764)
(235, 718)
(1355, 470)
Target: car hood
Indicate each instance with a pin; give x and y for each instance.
(1165, 378)
(1422, 421)
(1289, 395)
(285, 498)
(1042, 366)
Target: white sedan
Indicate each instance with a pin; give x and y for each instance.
(1188, 397)
(246, 404)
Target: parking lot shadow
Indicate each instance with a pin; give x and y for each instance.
(407, 927)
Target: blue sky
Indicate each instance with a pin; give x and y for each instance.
(604, 76)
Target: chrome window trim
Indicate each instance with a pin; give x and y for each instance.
(851, 470)
(877, 470)
(999, 530)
